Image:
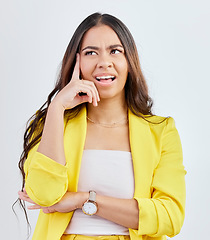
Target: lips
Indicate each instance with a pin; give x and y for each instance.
(105, 78)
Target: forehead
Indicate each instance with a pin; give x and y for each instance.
(99, 35)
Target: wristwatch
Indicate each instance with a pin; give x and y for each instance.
(90, 206)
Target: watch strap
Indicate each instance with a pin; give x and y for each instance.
(92, 196)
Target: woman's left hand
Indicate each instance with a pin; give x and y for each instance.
(69, 202)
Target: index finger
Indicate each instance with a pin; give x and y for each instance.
(76, 71)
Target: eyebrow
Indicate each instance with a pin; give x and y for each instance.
(97, 48)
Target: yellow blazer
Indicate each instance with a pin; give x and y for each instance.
(158, 171)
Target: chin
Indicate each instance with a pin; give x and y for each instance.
(107, 95)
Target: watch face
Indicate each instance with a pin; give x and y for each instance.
(89, 208)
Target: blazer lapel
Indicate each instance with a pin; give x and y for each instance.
(143, 154)
(74, 140)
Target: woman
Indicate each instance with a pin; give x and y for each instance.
(96, 161)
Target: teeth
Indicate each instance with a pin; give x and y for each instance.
(105, 77)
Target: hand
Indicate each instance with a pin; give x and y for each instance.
(70, 96)
(69, 202)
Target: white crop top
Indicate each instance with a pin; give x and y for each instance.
(108, 173)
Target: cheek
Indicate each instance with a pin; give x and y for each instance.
(123, 68)
(83, 70)
(122, 65)
(85, 67)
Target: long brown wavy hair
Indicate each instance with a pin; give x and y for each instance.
(136, 91)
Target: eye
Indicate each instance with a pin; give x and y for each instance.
(90, 53)
(115, 51)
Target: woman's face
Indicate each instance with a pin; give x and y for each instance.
(103, 61)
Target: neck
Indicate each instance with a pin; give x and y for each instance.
(107, 111)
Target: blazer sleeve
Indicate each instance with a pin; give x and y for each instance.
(163, 213)
(46, 181)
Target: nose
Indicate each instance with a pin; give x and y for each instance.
(104, 61)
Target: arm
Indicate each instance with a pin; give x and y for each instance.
(51, 143)
(46, 179)
(121, 211)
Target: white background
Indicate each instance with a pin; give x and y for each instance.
(173, 41)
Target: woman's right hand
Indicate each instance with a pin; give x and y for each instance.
(70, 96)
(69, 202)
